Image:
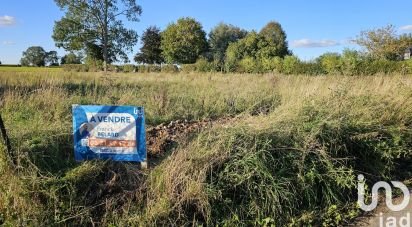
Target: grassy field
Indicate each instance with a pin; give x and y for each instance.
(291, 157)
(7, 68)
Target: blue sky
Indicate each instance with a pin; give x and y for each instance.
(313, 27)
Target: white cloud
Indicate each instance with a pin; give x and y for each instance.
(7, 20)
(406, 28)
(8, 43)
(307, 43)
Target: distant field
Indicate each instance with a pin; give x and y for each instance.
(28, 69)
(288, 155)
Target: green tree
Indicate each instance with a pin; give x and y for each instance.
(273, 64)
(384, 43)
(220, 37)
(351, 62)
(70, 58)
(183, 42)
(51, 58)
(243, 48)
(330, 62)
(290, 64)
(150, 52)
(262, 47)
(34, 56)
(273, 41)
(94, 53)
(96, 22)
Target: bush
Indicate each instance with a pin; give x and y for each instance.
(154, 68)
(75, 68)
(331, 63)
(187, 68)
(273, 64)
(232, 57)
(129, 68)
(67, 67)
(309, 68)
(114, 68)
(202, 65)
(249, 65)
(94, 65)
(351, 63)
(231, 66)
(149, 68)
(169, 68)
(289, 64)
(406, 67)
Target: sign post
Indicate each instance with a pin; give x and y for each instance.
(109, 132)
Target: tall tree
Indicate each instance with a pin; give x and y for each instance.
(273, 38)
(34, 56)
(384, 43)
(97, 22)
(51, 58)
(221, 36)
(184, 41)
(266, 46)
(246, 48)
(150, 52)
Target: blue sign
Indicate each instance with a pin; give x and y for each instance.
(109, 132)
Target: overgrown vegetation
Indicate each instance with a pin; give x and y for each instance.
(290, 158)
(351, 63)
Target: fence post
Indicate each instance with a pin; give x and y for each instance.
(6, 140)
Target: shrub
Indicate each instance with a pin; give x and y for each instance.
(75, 67)
(94, 65)
(154, 68)
(309, 68)
(248, 65)
(232, 57)
(273, 64)
(289, 64)
(142, 69)
(187, 68)
(129, 68)
(351, 62)
(114, 68)
(169, 68)
(331, 63)
(149, 68)
(202, 65)
(67, 67)
(406, 67)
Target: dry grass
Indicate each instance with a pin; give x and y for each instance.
(290, 158)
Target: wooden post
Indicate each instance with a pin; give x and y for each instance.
(6, 140)
(144, 165)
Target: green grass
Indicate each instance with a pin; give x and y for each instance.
(290, 158)
(6, 68)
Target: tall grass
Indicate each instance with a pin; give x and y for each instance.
(291, 157)
(295, 166)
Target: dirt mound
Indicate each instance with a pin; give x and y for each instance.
(162, 137)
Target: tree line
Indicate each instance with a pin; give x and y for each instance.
(93, 33)
(185, 42)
